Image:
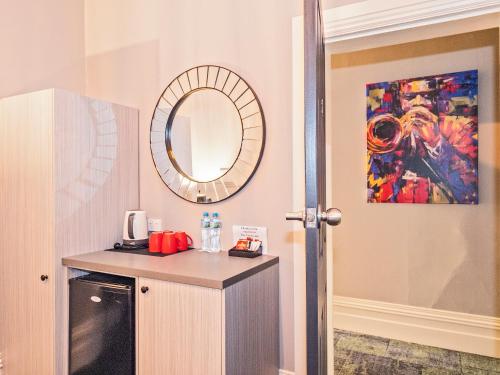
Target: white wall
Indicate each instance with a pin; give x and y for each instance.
(134, 48)
(42, 46)
(441, 256)
(127, 51)
(438, 256)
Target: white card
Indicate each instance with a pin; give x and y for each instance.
(243, 231)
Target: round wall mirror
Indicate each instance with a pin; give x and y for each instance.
(207, 134)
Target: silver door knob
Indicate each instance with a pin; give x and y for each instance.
(312, 218)
(332, 216)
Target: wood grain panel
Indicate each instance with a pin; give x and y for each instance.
(179, 329)
(26, 230)
(69, 170)
(96, 179)
(251, 325)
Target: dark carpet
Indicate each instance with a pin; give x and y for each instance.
(357, 354)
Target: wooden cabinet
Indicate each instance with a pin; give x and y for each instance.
(68, 171)
(190, 330)
(198, 313)
(24, 198)
(179, 329)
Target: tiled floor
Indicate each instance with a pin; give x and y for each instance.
(357, 354)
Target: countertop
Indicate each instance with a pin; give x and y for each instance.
(211, 270)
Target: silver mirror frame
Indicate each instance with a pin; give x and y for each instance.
(252, 122)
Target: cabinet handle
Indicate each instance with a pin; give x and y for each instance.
(144, 289)
(44, 277)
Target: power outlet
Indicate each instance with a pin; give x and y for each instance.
(155, 225)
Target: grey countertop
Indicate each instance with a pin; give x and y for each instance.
(211, 270)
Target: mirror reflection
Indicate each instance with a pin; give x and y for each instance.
(205, 135)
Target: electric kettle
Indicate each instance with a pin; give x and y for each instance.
(135, 229)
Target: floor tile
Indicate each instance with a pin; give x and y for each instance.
(358, 354)
(475, 371)
(439, 371)
(479, 362)
(341, 352)
(366, 364)
(424, 355)
(363, 344)
(403, 368)
(338, 362)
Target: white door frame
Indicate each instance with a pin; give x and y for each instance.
(357, 20)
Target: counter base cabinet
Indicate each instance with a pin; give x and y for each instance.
(179, 329)
(191, 330)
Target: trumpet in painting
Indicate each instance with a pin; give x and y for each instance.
(422, 139)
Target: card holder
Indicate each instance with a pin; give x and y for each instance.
(245, 253)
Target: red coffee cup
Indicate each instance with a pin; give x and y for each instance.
(183, 241)
(169, 243)
(155, 242)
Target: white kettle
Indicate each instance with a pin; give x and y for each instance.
(135, 229)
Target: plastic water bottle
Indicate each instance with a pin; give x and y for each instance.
(205, 232)
(215, 230)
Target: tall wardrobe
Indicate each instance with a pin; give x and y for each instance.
(68, 172)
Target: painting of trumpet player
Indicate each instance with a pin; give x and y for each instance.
(422, 139)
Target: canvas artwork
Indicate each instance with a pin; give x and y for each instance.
(422, 139)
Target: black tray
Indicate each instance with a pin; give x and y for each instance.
(245, 253)
(145, 252)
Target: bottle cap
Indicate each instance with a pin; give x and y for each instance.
(205, 213)
(215, 214)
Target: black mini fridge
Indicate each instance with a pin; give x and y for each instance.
(101, 325)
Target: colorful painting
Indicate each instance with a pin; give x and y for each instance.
(422, 139)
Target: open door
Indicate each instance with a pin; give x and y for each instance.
(313, 217)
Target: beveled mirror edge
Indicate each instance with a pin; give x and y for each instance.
(178, 171)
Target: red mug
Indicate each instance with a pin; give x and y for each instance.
(183, 241)
(155, 242)
(169, 243)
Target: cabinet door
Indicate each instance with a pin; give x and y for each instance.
(179, 329)
(26, 230)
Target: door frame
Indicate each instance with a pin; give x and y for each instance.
(344, 23)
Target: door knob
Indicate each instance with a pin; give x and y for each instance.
(312, 217)
(332, 216)
(144, 289)
(44, 277)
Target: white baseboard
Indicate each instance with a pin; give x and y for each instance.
(445, 329)
(286, 372)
